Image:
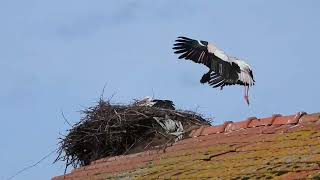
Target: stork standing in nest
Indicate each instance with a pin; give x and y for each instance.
(223, 71)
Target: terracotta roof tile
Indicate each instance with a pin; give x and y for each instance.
(197, 132)
(216, 129)
(284, 147)
(310, 118)
(264, 121)
(239, 125)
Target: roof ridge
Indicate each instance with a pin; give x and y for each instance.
(252, 122)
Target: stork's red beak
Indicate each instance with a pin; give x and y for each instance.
(246, 98)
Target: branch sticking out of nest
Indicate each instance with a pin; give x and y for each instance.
(108, 130)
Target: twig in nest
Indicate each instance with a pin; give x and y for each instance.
(166, 144)
(33, 165)
(117, 114)
(65, 119)
(148, 144)
(139, 113)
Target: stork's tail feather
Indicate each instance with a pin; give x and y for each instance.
(206, 77)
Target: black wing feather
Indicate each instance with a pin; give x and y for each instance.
(197, 51)
(219, 84)
(165, 104)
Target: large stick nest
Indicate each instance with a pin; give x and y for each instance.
(108, 130)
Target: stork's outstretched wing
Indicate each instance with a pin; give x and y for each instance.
(225, 72)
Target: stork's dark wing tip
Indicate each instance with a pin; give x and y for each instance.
(183, 37)
(181, 57)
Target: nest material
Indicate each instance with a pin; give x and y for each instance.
(109, 130)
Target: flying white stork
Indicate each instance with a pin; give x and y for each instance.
(224, 70)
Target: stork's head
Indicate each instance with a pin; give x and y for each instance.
(147, 99)
(143, 102)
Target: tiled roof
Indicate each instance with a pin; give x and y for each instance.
(283, 147)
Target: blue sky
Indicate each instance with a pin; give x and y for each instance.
(57, 56)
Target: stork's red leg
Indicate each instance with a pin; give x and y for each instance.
(248, 91)
(246, 94)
